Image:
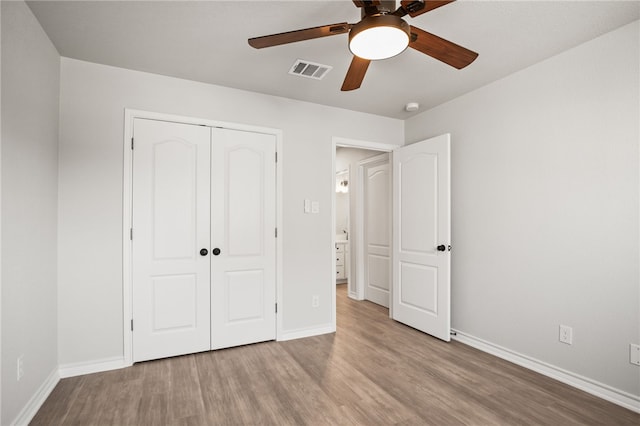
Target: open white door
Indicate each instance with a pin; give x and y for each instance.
(377, 231)
(243, 288)
(170, 225)
(422, 235)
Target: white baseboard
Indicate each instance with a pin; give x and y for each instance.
(88, 367)
(617, 396)
(33, 405)
(306, 332)
(354, 296)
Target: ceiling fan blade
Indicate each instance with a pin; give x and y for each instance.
(415, 8)
(441, 49)
(299, 35)
(355, 74)
(365, 3)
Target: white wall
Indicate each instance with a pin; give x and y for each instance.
(342, 207)
(545, 193)
(0, 218)
(93, 99)
(349, 157)
(30, 96)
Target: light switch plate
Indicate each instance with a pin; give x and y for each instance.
(315, 207)
(307, 206)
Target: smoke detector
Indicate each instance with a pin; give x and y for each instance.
(412, 106)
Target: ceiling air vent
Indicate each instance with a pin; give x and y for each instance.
(309, 69)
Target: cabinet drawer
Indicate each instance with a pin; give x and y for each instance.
(340, 259)
(340, 273)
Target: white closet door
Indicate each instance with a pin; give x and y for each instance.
(421, 236)
(170, 226)
(243, 296)
(377, 233)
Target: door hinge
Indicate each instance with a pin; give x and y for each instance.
(131, 325)
(131, 143)
(131, 234)
(276, 157)
(276, 232)
(276, 308)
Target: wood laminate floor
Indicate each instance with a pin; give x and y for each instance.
(373, 371)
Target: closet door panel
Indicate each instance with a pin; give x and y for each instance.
(243, 228)
(171, 223)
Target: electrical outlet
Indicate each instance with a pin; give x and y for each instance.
(20, 367)
(634, 354)
(566, 334)
(315, 301)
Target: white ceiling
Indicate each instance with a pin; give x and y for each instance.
(207, 41)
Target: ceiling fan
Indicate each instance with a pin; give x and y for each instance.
(381, 34)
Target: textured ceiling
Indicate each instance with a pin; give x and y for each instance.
(207, 41)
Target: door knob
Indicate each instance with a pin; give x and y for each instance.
(215, 251)
(441, 247)
(204, 252)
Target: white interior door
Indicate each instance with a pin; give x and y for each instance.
(170, 226)
(377, 231)
(421, 236)
(243, 229)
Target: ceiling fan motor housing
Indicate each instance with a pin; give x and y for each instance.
(384, 7)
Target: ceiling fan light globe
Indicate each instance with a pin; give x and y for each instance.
(379, 37)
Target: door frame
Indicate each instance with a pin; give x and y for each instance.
(337, 141)
(127, 212)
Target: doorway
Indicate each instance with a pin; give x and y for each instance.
(363, 223)
(351, 159)
(421, 234)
